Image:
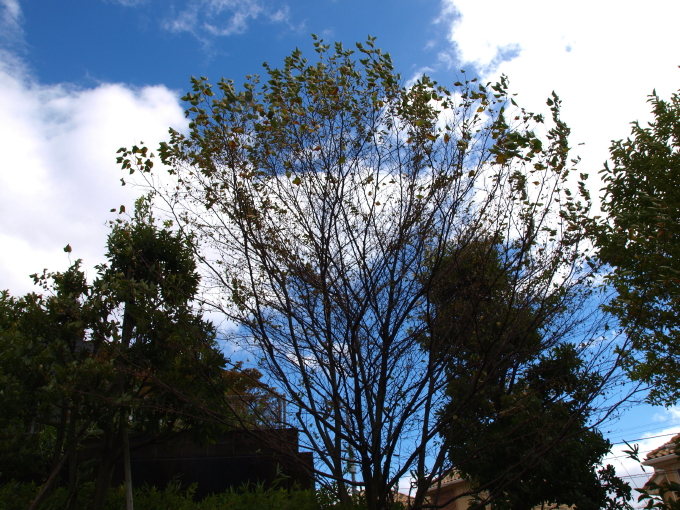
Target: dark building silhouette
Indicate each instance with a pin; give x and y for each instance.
(233, 459)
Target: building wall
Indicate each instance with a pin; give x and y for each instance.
(666, 469)
(446, 493)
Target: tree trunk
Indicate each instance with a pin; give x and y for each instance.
(61, 434)
(72, 443)
(44, 492)
(106, 464)
(101, 489)
(128, 327)
(128, 471)
(57, 457)
(46, 487)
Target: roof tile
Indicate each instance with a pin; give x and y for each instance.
(665, 449)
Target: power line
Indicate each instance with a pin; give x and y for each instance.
(645, 438)
(670, 423)
(621, 456)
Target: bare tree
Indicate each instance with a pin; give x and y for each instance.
(329, 199)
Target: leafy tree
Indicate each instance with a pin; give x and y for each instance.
(531, 443)
(639, 239)
(660, 496)
(128, 354)
(170, 374)
(325, 199)
(156, 336)
(51, 376)
(540, 411)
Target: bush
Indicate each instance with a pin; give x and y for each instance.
(18, 496)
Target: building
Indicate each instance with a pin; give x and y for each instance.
(233, 459)
(450, 487)
(453, 486)
(666, 464)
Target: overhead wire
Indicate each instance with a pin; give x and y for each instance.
(645, 438)
(661, 425)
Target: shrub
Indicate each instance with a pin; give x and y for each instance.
(18, 496)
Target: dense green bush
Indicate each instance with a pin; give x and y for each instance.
(18, 496)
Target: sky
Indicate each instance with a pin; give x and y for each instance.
(79, 79)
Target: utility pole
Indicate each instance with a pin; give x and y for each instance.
(352, 468)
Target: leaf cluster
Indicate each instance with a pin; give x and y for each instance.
(639, 240)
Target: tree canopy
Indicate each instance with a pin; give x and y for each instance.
(87, 363)
(537, 400)
(326, 198)
(639, 240)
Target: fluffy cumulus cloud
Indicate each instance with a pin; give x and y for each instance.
(59, 178)
(222, 17)
(602, 58)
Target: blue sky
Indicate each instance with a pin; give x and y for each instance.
(79, 79)
(150, 42)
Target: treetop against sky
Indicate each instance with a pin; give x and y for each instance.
(78, 80)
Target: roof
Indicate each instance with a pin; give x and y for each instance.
(665, 449)
(449, 479)
(400, 497)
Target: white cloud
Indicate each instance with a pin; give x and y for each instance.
(10, 22)
(222, 17)
(282, 14)
(127, 3)
(58, 175)
(11, 12)
(602, 58)
(668, 414)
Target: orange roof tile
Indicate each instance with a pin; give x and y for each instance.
(665, 449)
